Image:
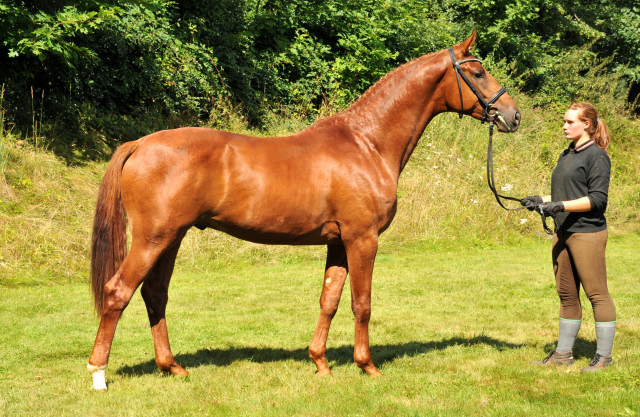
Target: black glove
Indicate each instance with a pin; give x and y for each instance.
(553, 207)
(531, 202)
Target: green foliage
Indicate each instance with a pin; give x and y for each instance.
(116, 70)
(103, 72)
(535, 37)
(111, 74)
(34, 32)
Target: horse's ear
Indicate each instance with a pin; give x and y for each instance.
(468, 44)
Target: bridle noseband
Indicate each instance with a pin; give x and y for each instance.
(489, 112)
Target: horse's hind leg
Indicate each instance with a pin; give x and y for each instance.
(155, 294)
(117, 294)
(334, 278)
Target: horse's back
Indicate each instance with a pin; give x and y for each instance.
(262, 189)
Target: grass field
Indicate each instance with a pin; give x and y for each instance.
(453, 331)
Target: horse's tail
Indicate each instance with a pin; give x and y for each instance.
(109, 239)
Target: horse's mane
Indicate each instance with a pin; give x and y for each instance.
(372, 92)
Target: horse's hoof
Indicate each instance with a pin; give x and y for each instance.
(372, 371)
(322, 373)
(178, 370)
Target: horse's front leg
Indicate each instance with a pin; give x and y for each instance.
(334, 278)
(362, 253)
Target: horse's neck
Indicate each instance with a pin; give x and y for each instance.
(392, 114)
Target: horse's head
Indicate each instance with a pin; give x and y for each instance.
(470, 89)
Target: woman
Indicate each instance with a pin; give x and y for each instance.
(578, 200)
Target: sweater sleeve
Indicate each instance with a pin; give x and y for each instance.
(599, 173)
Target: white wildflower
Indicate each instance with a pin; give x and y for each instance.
(507, 187)
(523, 221)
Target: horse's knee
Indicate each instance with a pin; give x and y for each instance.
(114, 305)
(361, 311)
(112, 285)
(329, 305)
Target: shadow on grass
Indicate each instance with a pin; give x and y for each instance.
(582, 348)
(336, 356)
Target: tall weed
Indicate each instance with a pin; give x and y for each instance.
(5, 190)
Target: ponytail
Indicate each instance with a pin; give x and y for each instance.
(601, 135)
(598, 131)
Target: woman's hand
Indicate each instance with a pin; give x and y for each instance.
(531, 202)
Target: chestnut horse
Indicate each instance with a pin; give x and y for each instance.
(332, 184)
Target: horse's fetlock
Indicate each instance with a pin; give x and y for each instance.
(164, 365)
(98, 376)
(362, 361)
(316, 353)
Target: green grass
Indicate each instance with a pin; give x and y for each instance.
(452, 330)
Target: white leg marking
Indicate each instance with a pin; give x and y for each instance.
(98, 372)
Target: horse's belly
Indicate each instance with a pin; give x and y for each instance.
(326, 233)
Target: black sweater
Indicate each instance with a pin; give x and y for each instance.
(579, 173)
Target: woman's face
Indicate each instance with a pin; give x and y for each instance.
(574, 128)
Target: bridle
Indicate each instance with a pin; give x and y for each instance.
(489, 113)
(487, 105)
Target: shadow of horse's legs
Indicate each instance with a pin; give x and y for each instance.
(341, 355)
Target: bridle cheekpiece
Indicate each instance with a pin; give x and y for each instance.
(487, 105)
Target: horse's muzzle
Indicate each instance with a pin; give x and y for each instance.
(509, 122)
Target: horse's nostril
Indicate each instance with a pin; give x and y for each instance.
(516, 118)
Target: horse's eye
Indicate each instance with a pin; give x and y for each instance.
(479, 74)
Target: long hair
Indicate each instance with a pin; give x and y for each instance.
(109, 240)
(598, 131)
